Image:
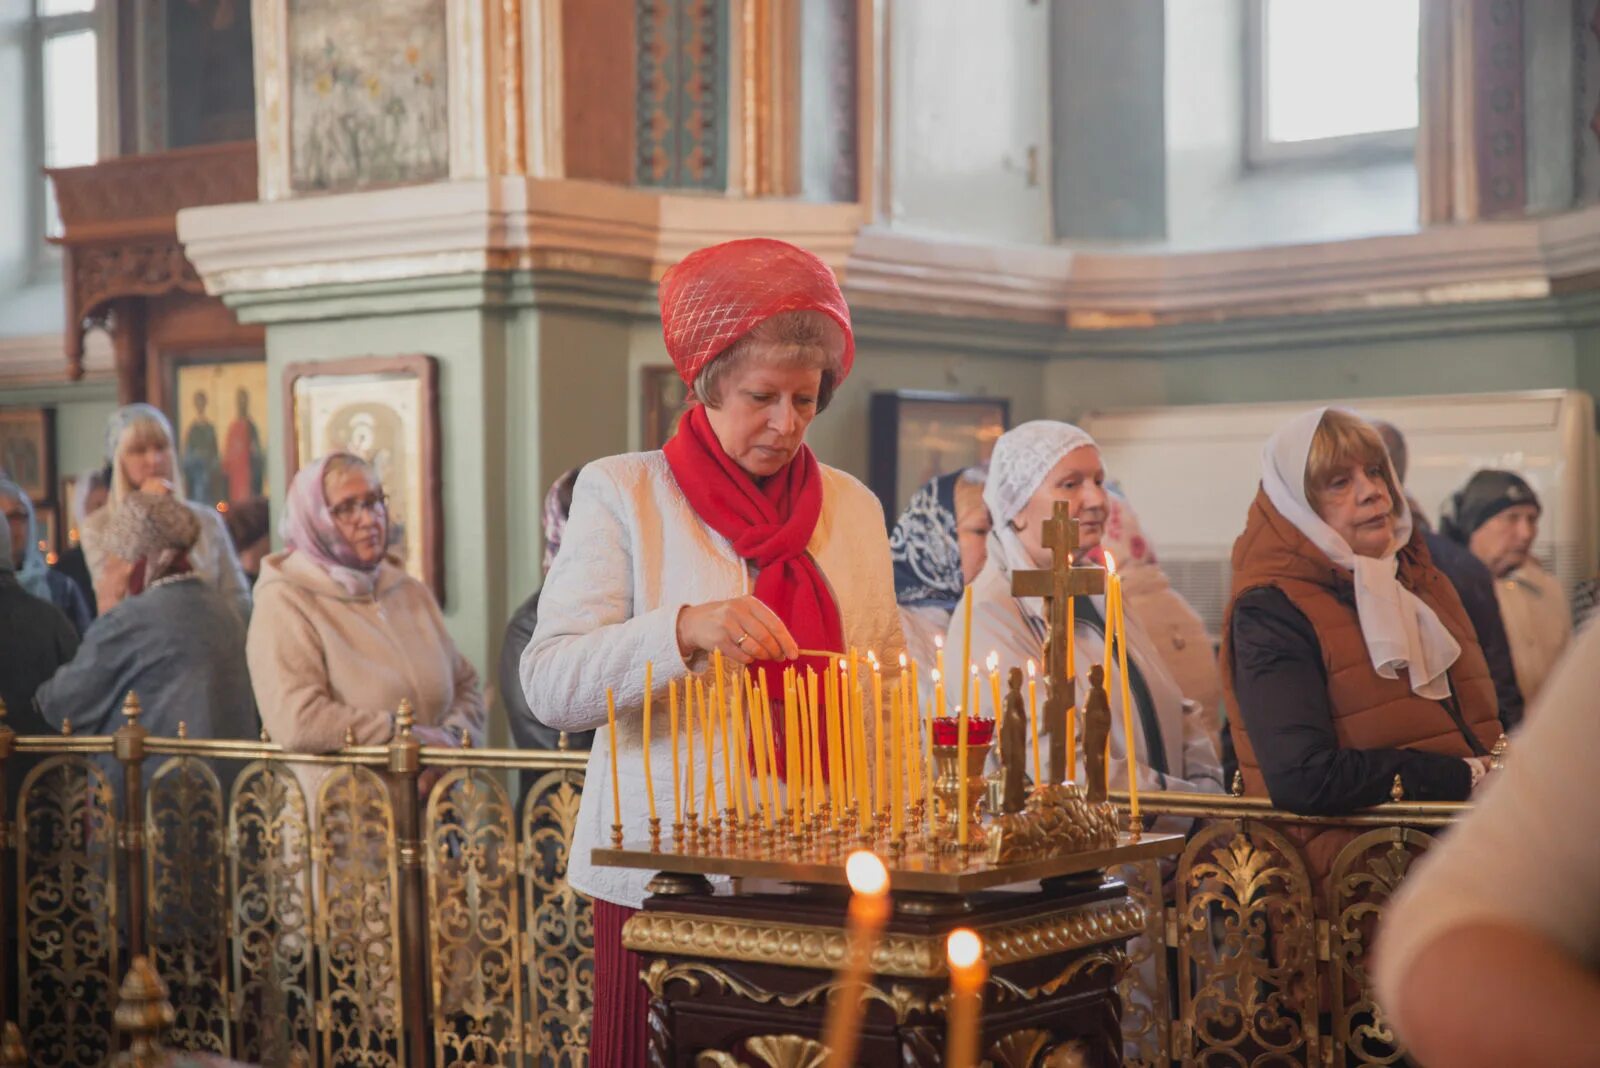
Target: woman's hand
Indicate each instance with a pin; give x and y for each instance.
(1480, 769)
(743, 628)
(437, 737)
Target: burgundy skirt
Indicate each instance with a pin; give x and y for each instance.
(619, 1033)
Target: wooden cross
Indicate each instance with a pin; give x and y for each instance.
(1055, 586)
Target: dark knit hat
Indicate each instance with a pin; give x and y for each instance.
(1486, 495)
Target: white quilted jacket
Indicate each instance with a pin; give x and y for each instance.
(634, 553)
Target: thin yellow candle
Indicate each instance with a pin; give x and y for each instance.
(868, 800)
(835, 744)
(966, 636)
(816, 724)
(993, 664)
(938, 673)
(649, 780)
(968, 974)
(938, 692)
(914, 726)
(961, 764)
(847, 735)
(869, 909)
(729, 789)
(1033, 718)
(738, 784)
(677, 785)
(708, 734)
(860, 783)
(896, 773)
(616, 790)
(1115, 594)
(774, 796)
(925, 741)
(880, 784)
(761, 803)
(803, 733)
(791, 762)
(1072, 625)
(688, 743)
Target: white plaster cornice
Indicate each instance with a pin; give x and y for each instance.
(252, 251)
(1482, 262)
(480, 225)
(41, 360)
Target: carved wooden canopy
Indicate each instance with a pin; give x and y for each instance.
(119, 222)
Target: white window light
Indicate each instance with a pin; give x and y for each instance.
(68, 91)
(1330, 79)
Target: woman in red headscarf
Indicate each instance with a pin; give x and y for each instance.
(732, 538)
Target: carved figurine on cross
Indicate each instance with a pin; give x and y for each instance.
(1064, 579)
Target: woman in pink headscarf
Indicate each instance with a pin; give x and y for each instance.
(341, 634)
(732, 539)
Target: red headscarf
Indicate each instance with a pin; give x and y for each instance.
(711, 299)
(717, 295)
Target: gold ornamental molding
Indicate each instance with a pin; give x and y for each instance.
(693, 974)
(897, 954)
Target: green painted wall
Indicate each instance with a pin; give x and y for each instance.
(81, 411)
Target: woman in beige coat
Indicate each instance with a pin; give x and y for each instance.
(341, 634)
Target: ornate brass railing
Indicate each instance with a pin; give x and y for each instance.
(297, 907)
(314, 906)
(1257, 944)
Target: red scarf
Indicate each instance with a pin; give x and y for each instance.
(770, 525)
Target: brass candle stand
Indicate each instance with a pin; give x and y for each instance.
(947, 788)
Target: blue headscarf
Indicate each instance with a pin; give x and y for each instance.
(34, 574)
(924, 549)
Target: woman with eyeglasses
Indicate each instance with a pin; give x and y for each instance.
(341, 634)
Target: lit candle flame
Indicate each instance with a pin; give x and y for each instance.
(866, 873)
(992, 661)
(934, 674)
(902, 661)
(1032, 669)
(963, 948)
(1111, 563)
(938, 641)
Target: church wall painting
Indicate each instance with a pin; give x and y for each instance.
(369, 99)
(27, 451)
(384, 409)
(218, 407)
(663, 400)
(915, 436)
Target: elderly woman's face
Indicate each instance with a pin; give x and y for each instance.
(360, 512)
(1079, 479)
(762, 419)
(1355, 502)
(146, 454)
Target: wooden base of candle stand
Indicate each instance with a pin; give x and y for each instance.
(743, 980)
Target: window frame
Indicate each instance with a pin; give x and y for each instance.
(101, 20)
(1384, 146)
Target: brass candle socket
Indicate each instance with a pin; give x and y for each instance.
(616, 836)
(655, 834)
(947, 788)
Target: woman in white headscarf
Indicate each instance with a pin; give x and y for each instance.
(1347, 655)
(140, 449)
(1033, 467)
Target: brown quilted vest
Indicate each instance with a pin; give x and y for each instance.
(1369, 711)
